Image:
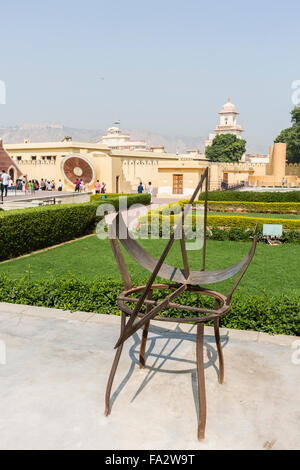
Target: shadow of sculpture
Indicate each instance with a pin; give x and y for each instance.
(161, 357)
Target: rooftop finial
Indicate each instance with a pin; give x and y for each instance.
(228, 100)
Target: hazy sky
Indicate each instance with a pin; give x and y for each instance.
(163, 66)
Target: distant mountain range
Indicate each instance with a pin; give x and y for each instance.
(56, 132)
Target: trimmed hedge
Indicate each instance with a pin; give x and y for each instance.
(259, 207)
(226, 220)
(274, 315)
(232, 206)
(23, 231)
(253, 196)
(233, 228)
(173, 212)
(248, 222)
(242, 234)
(26, 230)
(245, 234)
(98, 197)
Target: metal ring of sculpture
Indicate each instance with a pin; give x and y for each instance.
(212, 314)
(182, 280)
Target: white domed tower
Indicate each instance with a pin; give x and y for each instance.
(228, 123)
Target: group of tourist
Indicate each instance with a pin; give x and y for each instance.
(47, 185)
(80, 185)
(7, 183)
(149, 189)
(44, 185)
(100, 188)
(31, 186)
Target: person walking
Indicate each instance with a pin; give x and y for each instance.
(140, 188)
(103, 188)
(43, 185)
(4, 183)
(31, 186)
(81, 187)
(59, 185)
(150, 190)
(97, 187)
(77, 185)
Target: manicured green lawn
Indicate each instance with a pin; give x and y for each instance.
(274, 268)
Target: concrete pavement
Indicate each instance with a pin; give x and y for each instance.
(21, 200)
(57, 363)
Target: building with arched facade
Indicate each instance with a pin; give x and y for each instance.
(123, 170)
(123, 163)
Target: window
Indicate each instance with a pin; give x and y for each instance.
(33, 158)
(19, 158)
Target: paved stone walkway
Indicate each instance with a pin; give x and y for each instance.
(57, 363)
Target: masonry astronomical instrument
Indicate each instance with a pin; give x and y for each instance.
(7, 164)
(76, 166)
(140, 304)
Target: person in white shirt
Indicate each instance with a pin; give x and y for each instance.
(150, 190)
(59, 186)
(4, 185)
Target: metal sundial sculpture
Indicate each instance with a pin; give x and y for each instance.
(182, 280)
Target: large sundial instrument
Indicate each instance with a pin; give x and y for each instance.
(179, 280)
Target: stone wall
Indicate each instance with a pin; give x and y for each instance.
(292, 169)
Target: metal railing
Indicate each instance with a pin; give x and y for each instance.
(225, 186)
(19, 192)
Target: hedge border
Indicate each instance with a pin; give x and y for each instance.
(98, 197)
(227, 220)
(259, 207)
(278, 314)
(26, 230)
(252, 196)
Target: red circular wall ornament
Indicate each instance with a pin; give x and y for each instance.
(75, 166)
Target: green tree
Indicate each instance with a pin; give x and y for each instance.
(226, 148)
(291, 137)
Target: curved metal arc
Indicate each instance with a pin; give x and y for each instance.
(172, 273)
(245, 267)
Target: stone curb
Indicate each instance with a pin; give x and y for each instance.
(55, 313)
